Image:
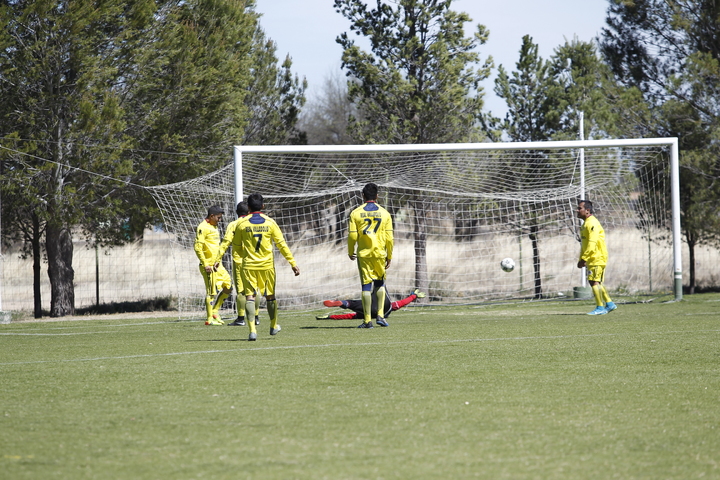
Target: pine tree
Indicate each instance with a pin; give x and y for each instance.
(420, 84)
(527, 91)
(60, 65)
(91, 93)
(670, 52)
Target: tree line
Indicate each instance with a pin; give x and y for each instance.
(99, 97)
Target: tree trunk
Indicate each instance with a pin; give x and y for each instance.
(536, 261)
(59, 249)
(37, 260)
(420, 233)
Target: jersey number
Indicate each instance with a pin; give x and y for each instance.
(369, 222)
(259, 237)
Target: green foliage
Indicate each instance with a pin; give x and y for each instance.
(60, 68)
(97, 96)
(669, 52)
(545, 97)
(421, 83)
(186, 101)
(529, 390)
(530, 96)
(207, 79)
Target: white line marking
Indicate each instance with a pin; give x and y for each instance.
(19, 334)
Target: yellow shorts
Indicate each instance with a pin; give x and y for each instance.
(216, 280)
(237, 277)
(371, 269)
(595, 273)
(258, 281)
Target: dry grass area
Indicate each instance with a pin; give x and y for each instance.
(459, 272)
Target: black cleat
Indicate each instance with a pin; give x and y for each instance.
(366, 325)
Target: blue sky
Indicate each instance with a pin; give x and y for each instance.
(306, 30)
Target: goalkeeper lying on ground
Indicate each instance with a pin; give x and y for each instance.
(357, 308)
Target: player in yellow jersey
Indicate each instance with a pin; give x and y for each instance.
(594, 256)
(207, 243)
(255, 236)
(242, 210)
(370, 241)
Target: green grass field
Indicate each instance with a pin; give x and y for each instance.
(515, 391)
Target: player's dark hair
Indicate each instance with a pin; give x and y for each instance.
(242, 209)
(255, 202)
(588, 205)
(370, 191)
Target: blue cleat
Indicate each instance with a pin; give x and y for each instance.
(366, 325)
(610, 307)
(382, 322)
(598, 311)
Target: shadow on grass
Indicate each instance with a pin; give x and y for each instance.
(220, 340)
(326, 327)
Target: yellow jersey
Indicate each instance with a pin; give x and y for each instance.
(207, 243)
(593, 249)
(254, 237)
(371, 231)
(229, 239)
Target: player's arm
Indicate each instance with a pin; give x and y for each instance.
(238, 248)
(199, 248)
(282, 246)
(352, 239)
(389, 241)
(226, 241)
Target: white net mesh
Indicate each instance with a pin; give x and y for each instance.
(456, 216)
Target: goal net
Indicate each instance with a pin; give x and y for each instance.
(458, 210)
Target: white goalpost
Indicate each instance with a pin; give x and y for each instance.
(458, 209)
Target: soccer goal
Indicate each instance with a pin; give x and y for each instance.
(458, 210)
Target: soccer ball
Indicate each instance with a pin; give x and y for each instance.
(507, 264)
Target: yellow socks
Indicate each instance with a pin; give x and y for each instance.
(381, 301)
(272, 311)
(249, 312)
(597, 293)
(241, 300)
(217, 304)
(209, 306)
(605, 295)
(367, 305)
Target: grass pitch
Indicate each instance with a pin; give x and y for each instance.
(515, 391)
